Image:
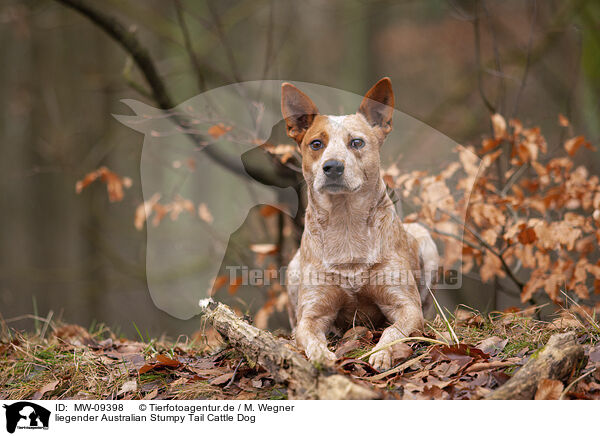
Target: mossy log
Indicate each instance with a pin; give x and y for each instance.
(285, 364)
(558, 360)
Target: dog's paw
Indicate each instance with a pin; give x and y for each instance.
(381, 360)
(318, 353)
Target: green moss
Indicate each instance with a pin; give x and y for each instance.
(278, 394)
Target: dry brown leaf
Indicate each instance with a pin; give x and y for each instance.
(492, 345)
(526, 235)
(151, 395)
(234, 285)
(549, 389)
(268, 210)
(74, 335)
(572, 145)
(128, 386)
(144, 210)
(563, 121)
(499, 126)
(167, 361)
(204, 213)
(218, 283)
(218, 130)
(400, 352)
(48, 387)
(222, 379)
(114, 183)
(264, 248)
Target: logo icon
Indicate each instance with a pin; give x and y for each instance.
(26, 415)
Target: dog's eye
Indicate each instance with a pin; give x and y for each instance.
(316, 145)
(357, 143)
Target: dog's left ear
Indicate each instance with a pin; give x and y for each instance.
(378, 105)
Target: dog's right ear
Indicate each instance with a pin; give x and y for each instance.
(298, 111)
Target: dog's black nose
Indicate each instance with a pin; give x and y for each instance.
(333, 168)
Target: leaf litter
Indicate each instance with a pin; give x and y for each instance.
(74, 363)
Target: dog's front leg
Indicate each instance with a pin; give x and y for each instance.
(317, 309)
(402, 308)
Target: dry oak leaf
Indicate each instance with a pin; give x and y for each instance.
(492, 345)
(205, 214)
(48, 387)
(549, 389)
(235, 284)
(284, 151)
(499, 126)
(264, 248)
(74, 335)
(572, 145)
(144, 210)
(128, 386)
(114, 183)
(563, 121)
(526, 235)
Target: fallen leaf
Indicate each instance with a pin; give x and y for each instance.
(549, 389)
(167, 361)
(594, 354)
(151, 395)
(128, 386)
(466, 317)
(49, 387)
(401, 351)
(492, 345)
(346, 347)
(74, 335)
(222, 379)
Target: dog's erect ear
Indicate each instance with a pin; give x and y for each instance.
(298, 110)
(378, 105)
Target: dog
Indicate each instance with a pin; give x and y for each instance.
(357, 262)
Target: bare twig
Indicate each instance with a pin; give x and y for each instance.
(582, 376)
(488, 247)
(479, 67)
(498, 72)
(220, 32)
(189, 47)
(127, 39)
(527, 60)
(234, 373)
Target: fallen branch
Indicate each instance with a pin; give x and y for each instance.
(558, 360)
(284, 363)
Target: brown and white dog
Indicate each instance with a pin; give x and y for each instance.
(357, 262)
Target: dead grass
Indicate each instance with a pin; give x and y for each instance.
(68, 362)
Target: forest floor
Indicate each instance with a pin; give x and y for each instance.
(69, 362)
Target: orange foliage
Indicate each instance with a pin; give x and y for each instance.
(529, 217)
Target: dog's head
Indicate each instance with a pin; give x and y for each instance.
(340, 154)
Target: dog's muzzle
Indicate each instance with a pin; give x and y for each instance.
(333, 168)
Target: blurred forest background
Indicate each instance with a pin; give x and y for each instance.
(452, 63)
